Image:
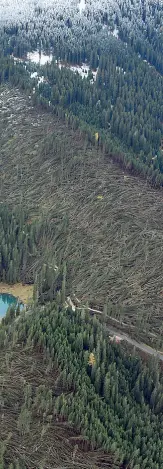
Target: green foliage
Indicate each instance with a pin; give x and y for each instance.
(116, 404)
(21, 245)
(17, 246)
(112, 247)
(123, 104)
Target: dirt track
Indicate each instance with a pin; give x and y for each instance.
(125, 337)
(138, 345)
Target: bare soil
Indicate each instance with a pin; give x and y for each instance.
(23, 292)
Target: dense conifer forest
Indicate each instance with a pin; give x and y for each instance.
(17, 246)
(124, 102)
(112, 405)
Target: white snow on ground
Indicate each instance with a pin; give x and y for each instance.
(83, 70)
(34, 75)
(17, 59)
(115, 33)
(40, 80)
(82, 6)
(40, 59)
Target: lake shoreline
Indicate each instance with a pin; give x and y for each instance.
(24, 293)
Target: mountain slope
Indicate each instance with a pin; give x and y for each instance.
(105, 225)
(57, 404)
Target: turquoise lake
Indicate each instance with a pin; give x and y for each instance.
(6, 300)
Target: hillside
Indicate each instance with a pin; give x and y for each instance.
(105, 70)
(112, 244)
(81, 223)
(59, 408)
(51, 442)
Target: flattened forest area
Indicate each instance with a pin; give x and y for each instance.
(108, 224)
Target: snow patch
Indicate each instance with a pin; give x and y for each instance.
(82, 6)
(41, 59)
(83, 69)
(114, 33)
(40, 80)
(34, 75)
